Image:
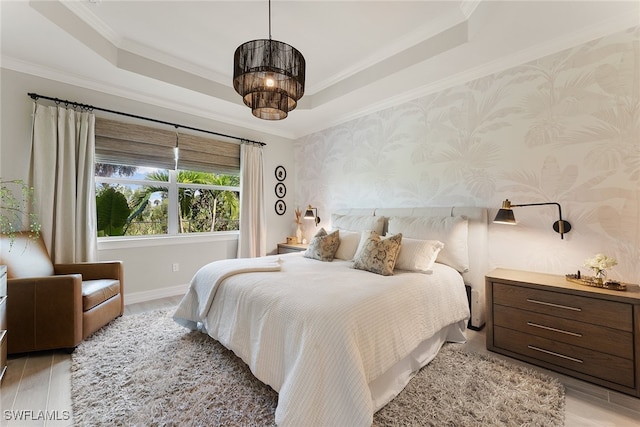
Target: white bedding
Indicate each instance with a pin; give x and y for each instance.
(320, 333)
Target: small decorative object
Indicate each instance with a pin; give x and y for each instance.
(292, 240)
(281, 173)
(281, 207)
(599, 264)
(281, 190)
(298, 222)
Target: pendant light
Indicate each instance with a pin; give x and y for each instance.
(269, 75)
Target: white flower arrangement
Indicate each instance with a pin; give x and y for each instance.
(600, 263)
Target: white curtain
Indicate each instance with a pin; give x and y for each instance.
(62, 176)
(253, 232)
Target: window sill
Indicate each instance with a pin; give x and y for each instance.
(107, 243)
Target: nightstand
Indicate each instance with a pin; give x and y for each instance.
(285, 248)
(589, 333)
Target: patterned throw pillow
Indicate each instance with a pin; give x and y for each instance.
(379, 255)
(323, 247)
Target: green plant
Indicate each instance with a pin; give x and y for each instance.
(112, 211)
(15, 200)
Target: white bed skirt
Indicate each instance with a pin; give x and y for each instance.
(391, 383)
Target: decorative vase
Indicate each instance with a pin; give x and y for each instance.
(299, 234)
(601, 276)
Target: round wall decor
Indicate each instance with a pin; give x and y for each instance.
(281, 207)
(281, 190)
(281, 173)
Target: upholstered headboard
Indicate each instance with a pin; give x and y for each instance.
(477, 244)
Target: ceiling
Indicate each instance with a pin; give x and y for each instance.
(361, 55)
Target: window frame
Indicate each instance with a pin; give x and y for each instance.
(173, 235)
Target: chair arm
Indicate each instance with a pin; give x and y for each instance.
(61, 280)
(68, 284)
(44, 312)
(93, 270)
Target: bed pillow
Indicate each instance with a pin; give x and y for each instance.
(418, 255)
(451, 230)
(323, 246)
(379, 255)
(364, 235)
(358, 222)
(349, 241)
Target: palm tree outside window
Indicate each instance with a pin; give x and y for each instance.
(139, 201)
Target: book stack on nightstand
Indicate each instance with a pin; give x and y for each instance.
(581, 331)
(285, 248)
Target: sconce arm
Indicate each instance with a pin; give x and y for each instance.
(560, 226)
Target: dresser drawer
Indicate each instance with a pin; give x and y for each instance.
(581, 334)
(3, 353)
(596, 364)
(3, 313)
(3, 284)
(615, 315)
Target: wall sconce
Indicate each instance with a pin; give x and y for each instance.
(312, 213)
(505, 216)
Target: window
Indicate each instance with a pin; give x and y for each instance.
(143, 189)
(141, 201)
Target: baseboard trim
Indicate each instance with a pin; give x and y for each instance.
(171, 291)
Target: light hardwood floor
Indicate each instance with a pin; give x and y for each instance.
(37, 388)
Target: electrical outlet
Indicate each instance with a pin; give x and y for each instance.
(175, 267)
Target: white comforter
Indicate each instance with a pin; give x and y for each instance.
(319, 332)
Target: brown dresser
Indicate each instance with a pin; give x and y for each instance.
(585, 332)
(3, 321)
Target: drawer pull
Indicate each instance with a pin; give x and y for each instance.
(566, 307)
(554, 354)
(549, 328)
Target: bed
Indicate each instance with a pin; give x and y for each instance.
(337, 342)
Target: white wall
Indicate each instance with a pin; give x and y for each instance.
(564, 128)
(148, 267)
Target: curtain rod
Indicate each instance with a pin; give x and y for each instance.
(35, 97)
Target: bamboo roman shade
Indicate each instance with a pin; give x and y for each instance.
(136, 145)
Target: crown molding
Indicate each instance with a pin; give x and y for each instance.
(82, 11)
(60, 76)
(420, 35)
(122, 46)
(467, 7)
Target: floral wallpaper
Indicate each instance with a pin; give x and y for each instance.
(564, 128)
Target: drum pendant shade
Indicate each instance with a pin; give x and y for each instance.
(269, 75)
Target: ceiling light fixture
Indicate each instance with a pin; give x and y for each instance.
(269, 75)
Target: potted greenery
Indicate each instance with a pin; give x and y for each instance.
(15, 197)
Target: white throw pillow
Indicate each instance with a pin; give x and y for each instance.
(349, 241)
(453, 231)
(418, 255)
(358, 222)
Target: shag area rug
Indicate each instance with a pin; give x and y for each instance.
(145, 370)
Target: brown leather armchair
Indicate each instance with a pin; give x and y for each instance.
(56, 306)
